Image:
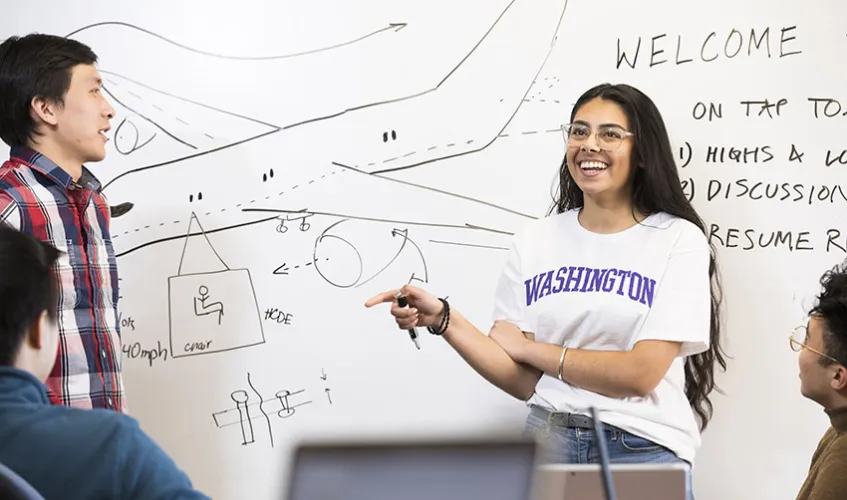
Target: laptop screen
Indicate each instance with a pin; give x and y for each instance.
(493, 471)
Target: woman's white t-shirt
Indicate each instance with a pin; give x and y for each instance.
(585, 290)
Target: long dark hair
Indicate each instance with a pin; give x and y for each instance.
(657, 188)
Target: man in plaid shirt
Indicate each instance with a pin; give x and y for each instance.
(54, 116)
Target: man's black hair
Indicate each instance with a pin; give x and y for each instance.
(36, 65)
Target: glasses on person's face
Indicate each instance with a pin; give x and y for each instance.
(608, 137)
(799, 340)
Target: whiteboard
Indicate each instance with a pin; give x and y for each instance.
(287, 161)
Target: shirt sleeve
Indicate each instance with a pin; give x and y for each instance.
(681, 309)
(509, 296)
(148, 472)
(10, 213)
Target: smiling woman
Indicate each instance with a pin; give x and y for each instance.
(637, 333)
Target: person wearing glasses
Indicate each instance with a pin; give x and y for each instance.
(822, 345)
(611, 301)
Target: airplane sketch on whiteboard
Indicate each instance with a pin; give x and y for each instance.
(121, 252)
(213, 309)
(247, 410)
(191, 129)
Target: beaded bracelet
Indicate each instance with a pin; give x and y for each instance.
(445, 320)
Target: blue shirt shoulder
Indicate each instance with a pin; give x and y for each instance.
(72, 453)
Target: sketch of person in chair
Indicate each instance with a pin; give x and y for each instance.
(201, 308)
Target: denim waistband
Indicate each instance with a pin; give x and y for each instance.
(571, 420)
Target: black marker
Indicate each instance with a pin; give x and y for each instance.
(402, 302)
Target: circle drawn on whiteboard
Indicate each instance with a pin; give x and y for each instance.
(337, 260)
(128, 137)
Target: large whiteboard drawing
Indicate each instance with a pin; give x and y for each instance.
(286, 161)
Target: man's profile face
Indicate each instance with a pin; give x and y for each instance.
(84, 118)
(815, 379)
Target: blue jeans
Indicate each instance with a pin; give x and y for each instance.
(569, 445)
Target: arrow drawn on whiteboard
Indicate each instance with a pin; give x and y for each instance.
(394, 232)
(283, 269)
(328, 396)
(405, 233)
(391, 26)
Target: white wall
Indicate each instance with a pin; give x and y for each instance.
(475, 94)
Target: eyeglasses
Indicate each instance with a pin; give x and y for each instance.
(799, 337)
(609, 137)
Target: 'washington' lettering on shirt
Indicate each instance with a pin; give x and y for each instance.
(586, 279)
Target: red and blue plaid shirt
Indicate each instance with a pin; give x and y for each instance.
(40, 198)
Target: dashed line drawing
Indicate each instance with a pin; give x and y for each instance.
(247, 409)
(283, 269)
(302, 227)
(502, 135)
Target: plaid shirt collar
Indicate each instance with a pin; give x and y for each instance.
(46, 166)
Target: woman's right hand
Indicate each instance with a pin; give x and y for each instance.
(424, 309)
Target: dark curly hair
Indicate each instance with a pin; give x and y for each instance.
(831, 307)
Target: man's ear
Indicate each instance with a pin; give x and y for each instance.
(35, 335)
(839, 378)
(45, 110)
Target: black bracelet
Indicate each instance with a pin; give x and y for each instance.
(445, 320)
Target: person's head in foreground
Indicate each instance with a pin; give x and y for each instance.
(29, 334)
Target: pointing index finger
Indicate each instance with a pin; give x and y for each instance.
(381, 298)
